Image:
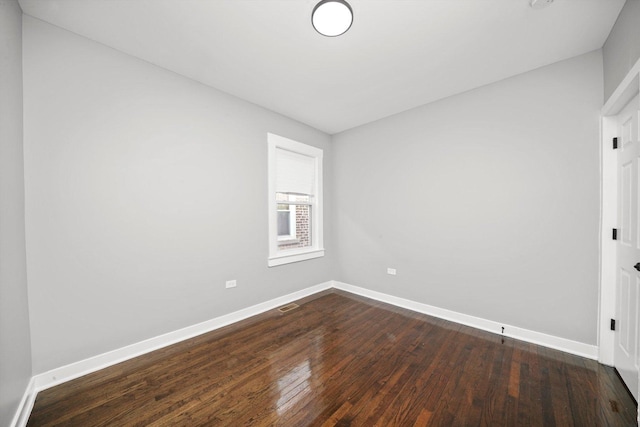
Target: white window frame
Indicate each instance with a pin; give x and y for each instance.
(285, 256)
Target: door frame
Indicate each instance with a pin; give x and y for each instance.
(625, 92)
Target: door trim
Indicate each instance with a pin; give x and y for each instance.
(625, 92)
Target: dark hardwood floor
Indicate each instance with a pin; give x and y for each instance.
(344, 360)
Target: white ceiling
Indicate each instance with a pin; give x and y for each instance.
(398, 54)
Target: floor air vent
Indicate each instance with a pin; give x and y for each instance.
(288, 307)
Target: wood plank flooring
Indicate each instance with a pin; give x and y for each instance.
(343, 360)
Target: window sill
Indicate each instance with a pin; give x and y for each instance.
(287, 240)
(297, 256)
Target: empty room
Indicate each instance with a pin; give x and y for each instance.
(319, 212)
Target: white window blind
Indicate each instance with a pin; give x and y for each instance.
(295, 173)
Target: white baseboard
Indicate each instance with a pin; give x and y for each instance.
(562, 344)
(26, 405)
(77, 369)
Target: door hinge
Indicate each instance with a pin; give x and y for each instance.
(613, 324)
(614, 235)
(615, 143)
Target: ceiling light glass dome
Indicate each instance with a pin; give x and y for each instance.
(332, 18)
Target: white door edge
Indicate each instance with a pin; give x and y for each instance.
(628, 88)
(626, 91)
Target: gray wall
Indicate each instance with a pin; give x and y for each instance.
(622, 49)
(486, 203)
(15, 345)
(145, 191)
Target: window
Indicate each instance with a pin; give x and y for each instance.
(295, 201)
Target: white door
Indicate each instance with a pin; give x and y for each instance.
(627, 339)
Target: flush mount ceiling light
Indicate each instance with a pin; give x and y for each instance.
(332, 18)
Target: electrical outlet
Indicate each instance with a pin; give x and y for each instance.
(391, 271)
(230, 284)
